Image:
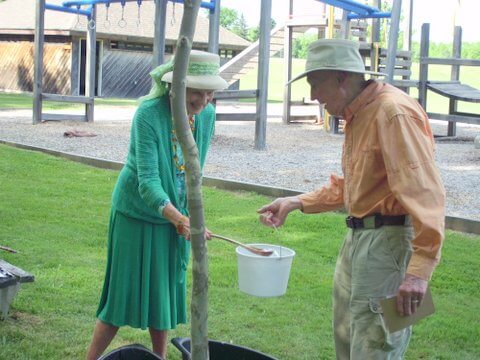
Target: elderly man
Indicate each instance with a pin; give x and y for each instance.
(392, 192)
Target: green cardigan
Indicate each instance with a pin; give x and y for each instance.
(148, 176)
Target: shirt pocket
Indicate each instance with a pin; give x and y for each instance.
(367, 158)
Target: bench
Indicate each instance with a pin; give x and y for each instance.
(454, 90)
(227, 95)
(11, 278)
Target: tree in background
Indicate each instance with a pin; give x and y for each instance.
(234, 21)
(228, 18)
(300, 45)
(241, 28)
(254, 32)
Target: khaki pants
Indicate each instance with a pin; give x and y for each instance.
(371, 266)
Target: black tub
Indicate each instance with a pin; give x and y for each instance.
(131, 352)
(221, 351)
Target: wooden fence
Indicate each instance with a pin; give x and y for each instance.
(16, 67)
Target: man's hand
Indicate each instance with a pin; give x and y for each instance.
(275, 213)
(410, 294)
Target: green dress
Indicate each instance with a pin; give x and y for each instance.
(145, 282)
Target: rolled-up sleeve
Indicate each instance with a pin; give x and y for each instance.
(326, 198)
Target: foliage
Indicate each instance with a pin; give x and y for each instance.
(236, 22)
(254, 32)
(470, 50)
(241, 27)
(228, 17)
(233, 21)
(300, 45)
(55, 212)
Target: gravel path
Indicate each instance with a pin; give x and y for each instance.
(299, 156)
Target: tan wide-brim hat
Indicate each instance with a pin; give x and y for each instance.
(202, 72)
(334, 54)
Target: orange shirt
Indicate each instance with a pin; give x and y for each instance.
(389, 168)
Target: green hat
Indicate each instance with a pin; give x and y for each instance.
(334, 54)
(202, 72)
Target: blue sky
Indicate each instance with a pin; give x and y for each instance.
(439, 13)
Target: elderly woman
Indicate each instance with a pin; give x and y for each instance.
(148, 253)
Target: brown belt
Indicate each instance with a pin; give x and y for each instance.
(375, 221)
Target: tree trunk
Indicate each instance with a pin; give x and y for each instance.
(199, 303)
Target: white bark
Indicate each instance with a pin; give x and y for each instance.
(199, 303)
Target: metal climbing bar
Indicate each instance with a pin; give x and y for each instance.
(207, 5)
(87, 13)
(352, 6)
(377, 15)
(203, 4)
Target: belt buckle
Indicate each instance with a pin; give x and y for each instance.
(350, 222)
(378, 221)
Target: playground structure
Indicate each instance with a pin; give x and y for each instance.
(379, 59)
(395, 63)
(90, 12)
(87, 8)
(78, 7)
(454, 90)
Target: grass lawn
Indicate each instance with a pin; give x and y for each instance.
(24, 101)
(55, 213)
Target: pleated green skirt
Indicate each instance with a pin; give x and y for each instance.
(145, 282)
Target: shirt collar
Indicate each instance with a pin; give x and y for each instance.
(367, 95)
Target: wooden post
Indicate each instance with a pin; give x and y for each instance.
(91, 64)
(423, 73)
(345, 25)
(75, 66)
(213, 28)
(455, 76)
(287, 63)
(410, 26)
(38, 61)
(331, 22)
(376, 23)
(159, 37)
(374, 56)
(262, 80)
(393, 40)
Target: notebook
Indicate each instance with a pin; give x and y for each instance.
(395, 322)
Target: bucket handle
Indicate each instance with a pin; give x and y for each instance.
(279, 241)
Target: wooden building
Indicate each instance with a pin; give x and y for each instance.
(124, 47)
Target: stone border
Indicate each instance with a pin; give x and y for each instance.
(451, 223)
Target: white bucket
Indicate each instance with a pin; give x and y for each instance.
(264, 276)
